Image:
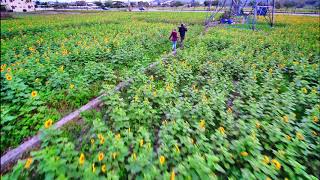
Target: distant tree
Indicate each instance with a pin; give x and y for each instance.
(3, 8)
(278, 5)
(206, 3)
(177, 4)
(311, 2)
(143, 4)
(213, 3)
(118, 4)
(98, 3)
(133, 4)
(44, 3)
(81, 3)
(195, 4)
(289, 4)
(261, 3)
(108, 4)
(300, 3)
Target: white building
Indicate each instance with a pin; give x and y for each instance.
(18, 5)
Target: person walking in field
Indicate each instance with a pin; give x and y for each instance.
(174, 38)
(182, 32)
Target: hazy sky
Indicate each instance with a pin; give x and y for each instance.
(92, 0)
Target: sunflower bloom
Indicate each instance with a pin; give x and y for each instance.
(304, 90)
(136, 98)
(93, 167)
(270, 71)
(118, 136)
(266, 159)
(202, 124)
(141, 143)
(288, 137)
(32, 49)
(314, 133)
(3, 66)
(100, 156)
(114, 155)
(34, 94)
(162, 159)
(177, 148)
(276, 164)
(81, 159)
(172, 176)
(285, 119)
(106, 40)
(65, 52)
(104, 168)
(28, 163)
(100, 136)
(315, 119)
(48, 123)
(92, 141)
(300, 136)
(192, 141)
(314, 90)
(221, 130)
(229, 110)
(102, 140)
(134, 156)
(71, 86)
(9, 77)
(258, 125)
(244, 154)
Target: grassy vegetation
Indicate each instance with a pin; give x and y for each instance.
(234, 103)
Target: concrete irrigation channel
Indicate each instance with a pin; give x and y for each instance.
(14, 155)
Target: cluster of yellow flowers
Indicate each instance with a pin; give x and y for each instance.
(8, 77)
(221, 130)
(169, 87)
(300, 136)
(101, 138)
(202, 124)
(34, 94)
(118, 136)
(276, 164)
(162, 160)
(28, 163)
(100, 156)
(285, 119)
(48, 123)
(244, 154)
(71, 86)
(81, 159)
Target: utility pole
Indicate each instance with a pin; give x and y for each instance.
(272, 15)
(255, 15)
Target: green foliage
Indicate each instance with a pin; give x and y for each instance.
(235, 104)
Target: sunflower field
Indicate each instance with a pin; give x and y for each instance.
(233, 104)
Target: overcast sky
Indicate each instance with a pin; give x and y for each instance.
(91, 0)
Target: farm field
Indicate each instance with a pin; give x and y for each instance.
(234, 103)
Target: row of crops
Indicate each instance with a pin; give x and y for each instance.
(54, 64)
(234, 104)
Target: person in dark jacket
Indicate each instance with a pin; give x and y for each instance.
(174, 38)
(182, 32)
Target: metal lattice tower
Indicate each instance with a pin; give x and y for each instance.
(236, 9)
